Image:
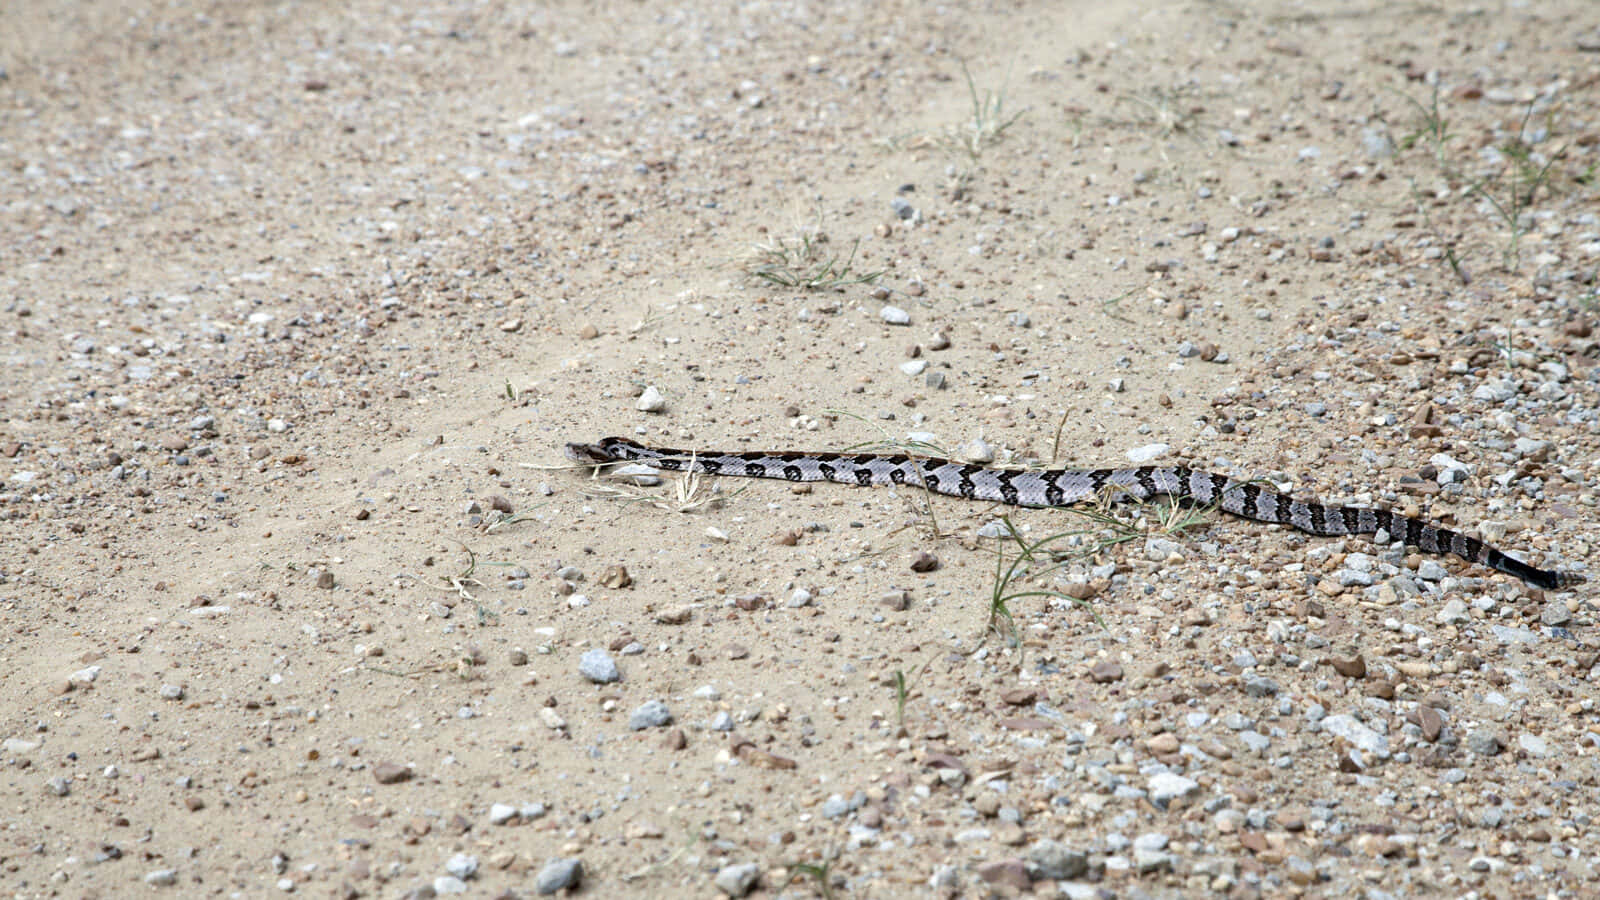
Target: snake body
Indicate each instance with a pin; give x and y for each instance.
(1065, 487)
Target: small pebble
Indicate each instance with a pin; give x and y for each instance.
(651, 401)
(462, 866)
(894, 315)
(598, 666)
(651, 714)
(391, 773)
(737, 880)
(558, 874)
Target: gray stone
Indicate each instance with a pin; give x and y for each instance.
(1153, 840)
(462, 866)
(1161, 549)
(1165, 787)
(1485, 743)
(1257, 686)
(1359, 735)
(1376, 142)
(1454, 613)
(737, 880)
(1533, 745)
(1508, 635)
(1054, 861)
(1538, 449)
(598, 666)
(1430, 570)
(562, 872)
(835, 806)
(1555, 613)
(650, 714)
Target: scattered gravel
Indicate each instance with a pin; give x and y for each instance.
(331, 369)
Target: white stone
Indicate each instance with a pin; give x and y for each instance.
(651, 401)
(1148, 452)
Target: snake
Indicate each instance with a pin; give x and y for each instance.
(1046, 488)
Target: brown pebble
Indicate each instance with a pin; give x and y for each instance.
(194, 804)
(677, 615)
(259, 453)
(787, 538)
(174, 442)
(924, 561)
(1576, 328)
(1105, 671)
(1082, 590)
(899, 601)
(1354, 667)
(616, 577)
(1254, 841)
(752, 602)
(1163, 743)
(1021, 696)
(391, 773)
(1381, 688)
(1431, 723)
(325, 580)
(915, 289)
(1209, 351)
(1006, 872)
(588, 332)
(363, 514)
(500, 504)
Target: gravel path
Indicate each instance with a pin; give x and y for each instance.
(300, 305)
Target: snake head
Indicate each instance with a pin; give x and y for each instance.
(589, 454)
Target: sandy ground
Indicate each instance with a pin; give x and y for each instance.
(300, 300)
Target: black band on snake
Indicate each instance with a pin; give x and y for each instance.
(1064, 487)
